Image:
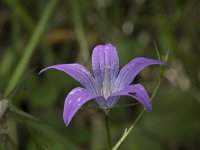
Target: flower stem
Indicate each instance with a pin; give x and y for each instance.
(108, 129)
(127, 131)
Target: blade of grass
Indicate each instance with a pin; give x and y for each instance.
(34, 40)
(23, 114)
(19, 85)
(79, 29)
(157, 52)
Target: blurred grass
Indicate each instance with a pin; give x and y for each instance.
(69, 36)
(31, 46)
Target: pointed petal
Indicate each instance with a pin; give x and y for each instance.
(73, 102)
(76, 71)
(138, 92)
(105, 63)
(128, 73)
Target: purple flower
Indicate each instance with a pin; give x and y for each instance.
(107, 83)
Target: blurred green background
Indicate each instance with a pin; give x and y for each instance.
(35, 34)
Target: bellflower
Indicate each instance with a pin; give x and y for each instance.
(107, 83)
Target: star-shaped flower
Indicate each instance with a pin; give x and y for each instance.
(107, 83)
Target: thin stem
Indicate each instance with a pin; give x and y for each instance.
(108, 130)
(126, 132)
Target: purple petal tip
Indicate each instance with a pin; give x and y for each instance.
(149, 109)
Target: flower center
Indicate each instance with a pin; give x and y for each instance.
(106, 90)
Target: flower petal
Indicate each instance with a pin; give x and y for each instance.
(130, 71)
(73, 102)
(101, 102)
(76, 71)
(105, 63)
(138, 92)
(111, 101)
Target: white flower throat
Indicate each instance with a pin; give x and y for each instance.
(106, 83)
(106, 90)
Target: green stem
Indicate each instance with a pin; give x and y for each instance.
(31, 46)
(108, 130)
(126, 132)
